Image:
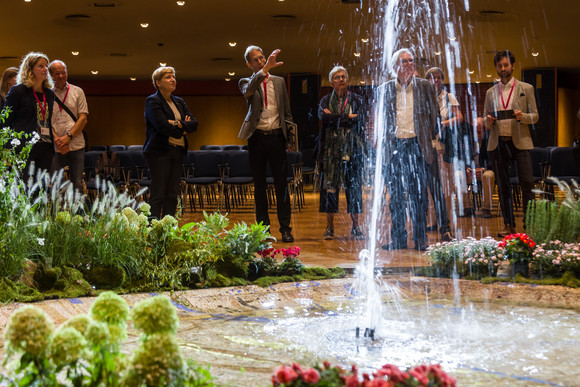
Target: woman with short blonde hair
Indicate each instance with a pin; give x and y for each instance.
(168, 122)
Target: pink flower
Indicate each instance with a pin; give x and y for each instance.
(285, 374)
(311, 376)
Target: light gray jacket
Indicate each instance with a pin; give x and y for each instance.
(254, 94)
(524, 100)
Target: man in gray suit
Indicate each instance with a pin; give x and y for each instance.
(510, 108)
(411, 113)
(265, 130)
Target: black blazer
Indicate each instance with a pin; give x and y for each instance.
(157, 114)
(23, 117)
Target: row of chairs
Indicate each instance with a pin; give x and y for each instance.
(547, 163)
(225, 178)
(221, 179)
(117, 148)
(223, 147)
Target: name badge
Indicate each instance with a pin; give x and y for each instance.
(44, 131)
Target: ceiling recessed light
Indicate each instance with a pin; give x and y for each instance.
(488, 75)
(437, 52)
(144, 25)
(362, 82)
(133, 78)
(228, 79)
(477, 82)
(357, 54)
(364, 40)
(231, 73)
(181, 3)
(535, 53)
(74, 53)
(94, 72)
(162, 64)
(453, 39)
(27, 1)
(232, 44)
(471, 71)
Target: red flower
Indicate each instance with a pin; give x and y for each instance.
(296, 367)
(285, 374)
(311, 376)
(352, 381)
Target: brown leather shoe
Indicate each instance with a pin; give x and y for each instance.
(507, 230)
(447, 237)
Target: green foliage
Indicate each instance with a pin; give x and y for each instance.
(17, 291)
(547, 221)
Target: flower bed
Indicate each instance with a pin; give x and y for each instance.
(472, 258)
(388, 375)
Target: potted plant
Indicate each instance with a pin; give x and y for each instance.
(518, 249)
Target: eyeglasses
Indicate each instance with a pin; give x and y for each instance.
(406, 61)
(337, 77)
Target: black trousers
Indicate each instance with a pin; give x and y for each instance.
(166, 169)
(406, 179)
(264, 149)
(352, 191)
(434, 183)
(41, 155)
(500, 158)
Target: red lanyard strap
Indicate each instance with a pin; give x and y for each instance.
(505, 105)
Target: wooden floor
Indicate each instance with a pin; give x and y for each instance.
(308, 225)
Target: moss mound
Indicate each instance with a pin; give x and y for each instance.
(17, 291)
(105, 277)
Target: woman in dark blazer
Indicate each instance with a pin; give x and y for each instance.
(168, 121)
(31, 103)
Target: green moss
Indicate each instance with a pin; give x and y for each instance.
(46, 278)
(17, 291)
(219, 281)
(70, 285)
(267, 281)
(105, 277)
(568, 279)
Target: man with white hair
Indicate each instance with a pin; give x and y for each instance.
(69, 118)
(411, 114)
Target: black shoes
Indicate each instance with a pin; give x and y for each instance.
(328, 234)
(447, 237)
(420, 245)
(287, 236)
(357, 233)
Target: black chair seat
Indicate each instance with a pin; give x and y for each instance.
(237, 180)
(202, 180)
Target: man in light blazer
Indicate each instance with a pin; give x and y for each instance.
(510, 108)
(411, 114)
(265, 129)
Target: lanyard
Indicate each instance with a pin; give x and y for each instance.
(345, 102)
(43, 105)
(266, 90)
(505, 104)
(64, 99)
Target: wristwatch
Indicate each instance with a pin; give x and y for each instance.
(68, 133)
